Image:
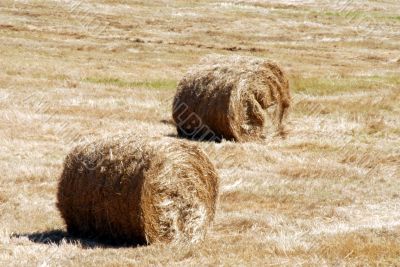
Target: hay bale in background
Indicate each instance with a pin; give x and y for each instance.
(138, 189)
(228, 96)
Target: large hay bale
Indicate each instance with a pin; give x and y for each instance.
(136, 189)
(229, 96)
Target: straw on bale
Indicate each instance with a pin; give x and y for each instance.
(136, 189)
(229, 97)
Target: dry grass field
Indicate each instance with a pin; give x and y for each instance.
(327, 194)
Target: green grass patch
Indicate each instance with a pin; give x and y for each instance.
(395, 18)
(351, 14)
(152, 84)
(335, 85)
(346, 13)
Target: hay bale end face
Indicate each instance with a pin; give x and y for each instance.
(133, 189)
(229, 96)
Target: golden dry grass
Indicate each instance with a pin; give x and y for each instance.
(327, 194)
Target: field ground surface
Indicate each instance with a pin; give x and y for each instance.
(327, 194)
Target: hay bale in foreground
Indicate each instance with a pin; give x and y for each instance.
(228, 97)
(138, 189)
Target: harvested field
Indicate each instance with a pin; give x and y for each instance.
(327, 194)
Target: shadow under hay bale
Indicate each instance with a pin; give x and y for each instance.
(136, 188)
(58, 237)
(230, 97)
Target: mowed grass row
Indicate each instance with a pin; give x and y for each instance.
(314, 86)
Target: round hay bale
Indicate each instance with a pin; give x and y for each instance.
(229, 96)
(135, 189)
